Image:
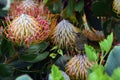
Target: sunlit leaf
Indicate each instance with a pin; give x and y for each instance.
(59, 51)
(91, 53)
(116, 74)
(53, 55)
(54, 48)
(106, 44)
(56, 73)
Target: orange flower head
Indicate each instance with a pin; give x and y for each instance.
(26, 30)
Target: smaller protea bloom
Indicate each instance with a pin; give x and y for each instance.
(77, 67)
(116, 6)
(26, 30)
(64, 34)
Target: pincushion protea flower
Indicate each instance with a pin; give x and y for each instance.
(26, 30)
(64, 34)
(77, 67)
(116, 6)
(30, 7)
(27, 5)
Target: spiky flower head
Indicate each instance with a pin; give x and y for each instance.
(64, 34)
(30, 7)
(26, 30)
(27, 5)
(116, 6)
(77, 67)
(19, 7)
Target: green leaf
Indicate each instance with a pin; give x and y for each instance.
(59, 51)
(7, 48)
(28, 57)
(70, 8)
(35, 49)
(91, 53)
(3, 13)
(56, 73)
(5, 70)
(116, 74)
(40, 57)
(113, 60)
(24, 77)
(53, 55)
(98, 74)
(54, 48)
(106, 44)
(79, 6)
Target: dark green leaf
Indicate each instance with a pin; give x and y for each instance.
(28, 57)
(70, 8)
(5, 70)
(61, 61)
(35, 49)
(79, 6)
(40, 57)
(7, 48)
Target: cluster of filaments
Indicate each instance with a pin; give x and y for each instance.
(25, 30)
(116, 6)
(77, 67)
(28, 25)
(30, 7)
(64, 34)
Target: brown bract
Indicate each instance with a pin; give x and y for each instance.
(93, 34)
